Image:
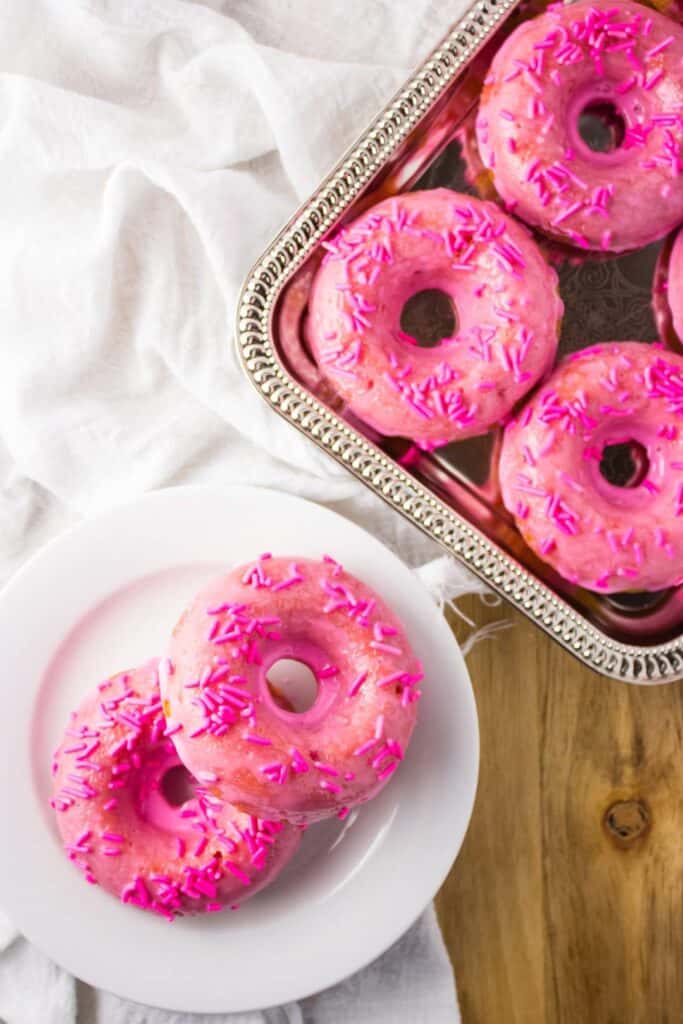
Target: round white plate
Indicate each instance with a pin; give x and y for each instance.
(103, 597)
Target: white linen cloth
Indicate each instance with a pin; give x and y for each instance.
(149, 149)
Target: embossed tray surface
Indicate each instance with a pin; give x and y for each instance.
(452, 494)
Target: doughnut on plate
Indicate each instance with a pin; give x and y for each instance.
(105, 596)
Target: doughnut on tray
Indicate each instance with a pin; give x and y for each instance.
(420, 140)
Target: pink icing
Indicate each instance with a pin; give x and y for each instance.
(122, 833)
(601, 536)
(268, 760)
(674, 288)
(504, 293)
(542, 77)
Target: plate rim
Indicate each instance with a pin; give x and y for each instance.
(71, 533)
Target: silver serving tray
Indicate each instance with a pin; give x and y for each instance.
(452, 494)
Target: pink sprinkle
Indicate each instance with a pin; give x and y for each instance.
(356, 685)
(338, 568)
(651, 82)
(613, 541)
(299, 763)
(395, 677)
(331, 787)
(238, 873)
(289, 582)
(219, 609)
(259, 740)
(365, 747)
(569, 211)
(528, 455)
(110, 804)
(389, 770)
(386, 648)
(660, 46)
(343, 812)
(74, 749)
(381, 756)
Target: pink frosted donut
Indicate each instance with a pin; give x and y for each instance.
(504, 293)
(674, 285)
(622, 63)
(597, 405)
(226, 722)
(121, 830)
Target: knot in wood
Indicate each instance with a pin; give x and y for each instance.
(625, 821)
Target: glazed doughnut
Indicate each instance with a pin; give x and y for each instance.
(602, 536)
(619, 61)
(669, 304)
(226, 722)
(120, 829)
(505, 296)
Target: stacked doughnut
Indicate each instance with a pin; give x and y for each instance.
(557, 191)
(182, 786)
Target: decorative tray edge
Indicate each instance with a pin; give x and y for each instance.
(295, 242)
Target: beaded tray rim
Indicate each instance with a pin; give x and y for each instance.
(631, 663)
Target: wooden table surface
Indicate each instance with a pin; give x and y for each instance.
(566, 901)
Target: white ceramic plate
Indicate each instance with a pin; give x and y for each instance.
(104, 597)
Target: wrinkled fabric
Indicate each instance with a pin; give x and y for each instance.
(149, 150)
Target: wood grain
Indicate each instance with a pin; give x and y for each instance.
(565, 905)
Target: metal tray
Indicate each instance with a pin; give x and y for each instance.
(452, 494)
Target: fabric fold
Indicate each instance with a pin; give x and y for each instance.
(148, 152)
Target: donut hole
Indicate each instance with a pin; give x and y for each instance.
(177, 785)
(625, 464)
(601, 126)
(428, 317)
(292, 685)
